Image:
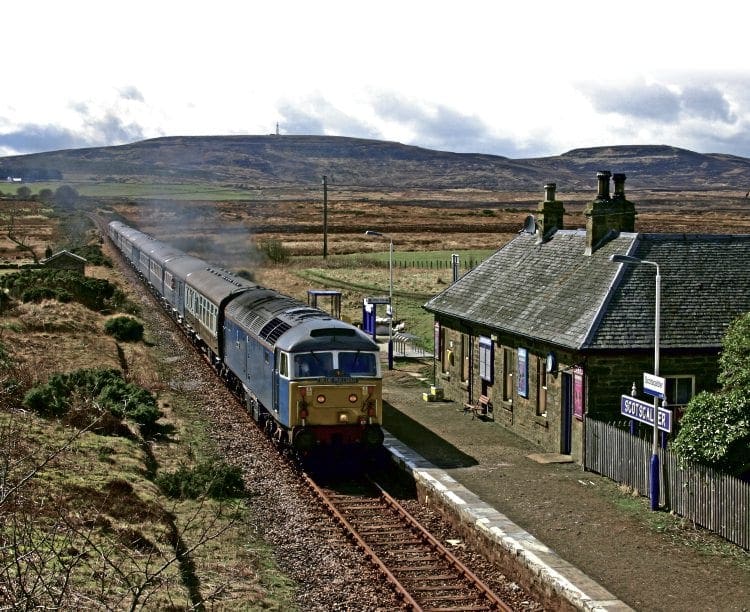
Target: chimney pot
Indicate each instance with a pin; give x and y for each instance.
(603, 190)
(619, 185)
(549, 192)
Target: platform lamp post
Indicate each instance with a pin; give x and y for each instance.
(654, 484)
(390, 293)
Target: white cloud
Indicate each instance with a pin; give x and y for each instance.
(517, 79)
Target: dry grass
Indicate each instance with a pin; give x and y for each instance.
(96, 499)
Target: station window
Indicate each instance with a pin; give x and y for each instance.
(485, 359)
(541, 386)
(508, 374)
(680, 389)
(465, 357)
(445, 352)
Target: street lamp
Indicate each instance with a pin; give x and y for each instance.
(654, 485)
(390, 293)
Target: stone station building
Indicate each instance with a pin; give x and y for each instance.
(548, 329)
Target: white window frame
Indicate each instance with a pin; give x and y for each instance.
(485, 359)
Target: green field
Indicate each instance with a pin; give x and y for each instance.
(404, 259)
(167, 191)
(414, 283)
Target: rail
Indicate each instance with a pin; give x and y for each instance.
(424, 574)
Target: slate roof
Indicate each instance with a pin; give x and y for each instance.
(554, 293)
(64, 254)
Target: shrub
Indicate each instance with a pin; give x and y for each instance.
(92, 253)
(124, 329)
(213, 479)
(105, 387)
(64, 285)
(275, 251)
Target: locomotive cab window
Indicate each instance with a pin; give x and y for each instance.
(337, 363)
(284, 365)
(358, 363)
(313, 364)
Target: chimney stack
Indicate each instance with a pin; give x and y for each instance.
(606, 217)
(550, 213)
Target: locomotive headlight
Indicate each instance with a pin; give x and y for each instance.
(343, 417)
(353, 397)
(321, 399)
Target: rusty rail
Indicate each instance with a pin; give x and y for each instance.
(424, 574)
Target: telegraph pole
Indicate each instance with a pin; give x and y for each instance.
(325, 216)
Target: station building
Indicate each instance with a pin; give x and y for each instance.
(548, 329)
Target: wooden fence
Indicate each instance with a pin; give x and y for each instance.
(711, 499)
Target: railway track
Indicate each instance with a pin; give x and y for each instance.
(425, 574)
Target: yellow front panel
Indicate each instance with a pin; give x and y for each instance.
(331, 404)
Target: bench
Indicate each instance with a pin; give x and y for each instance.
(479, 408)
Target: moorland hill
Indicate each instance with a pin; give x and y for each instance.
(301, 161)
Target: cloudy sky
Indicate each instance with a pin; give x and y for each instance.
(519, 78)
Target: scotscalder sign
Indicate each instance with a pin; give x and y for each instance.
(643, 412)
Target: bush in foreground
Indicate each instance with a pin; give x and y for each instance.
(214, 479)
(105, 387)
(124, 329)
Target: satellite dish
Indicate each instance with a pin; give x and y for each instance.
(529, 225)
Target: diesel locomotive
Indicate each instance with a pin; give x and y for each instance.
(310, 380)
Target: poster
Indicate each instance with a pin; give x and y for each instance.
(523, 373)
(578, 393)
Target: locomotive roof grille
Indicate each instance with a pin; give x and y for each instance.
(226, 275)
(306, 313)
(273, 329)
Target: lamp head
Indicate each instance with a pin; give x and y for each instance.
(626, 259)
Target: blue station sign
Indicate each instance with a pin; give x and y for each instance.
(654, 385)
(644, 412)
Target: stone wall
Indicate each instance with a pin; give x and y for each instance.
(607, 377)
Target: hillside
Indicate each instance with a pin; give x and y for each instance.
(301, 161)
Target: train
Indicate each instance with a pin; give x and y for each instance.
(311, 381)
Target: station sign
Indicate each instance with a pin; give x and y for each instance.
(377, 300)
(644, 412)
(655, 386)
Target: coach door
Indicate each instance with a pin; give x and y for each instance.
(276, 380)
(179, 300)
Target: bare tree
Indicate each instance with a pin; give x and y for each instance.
(20, 241)
(46, 546)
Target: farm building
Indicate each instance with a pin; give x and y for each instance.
(65, 260)
(549, 329)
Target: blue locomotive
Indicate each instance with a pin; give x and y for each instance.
(308, 379)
